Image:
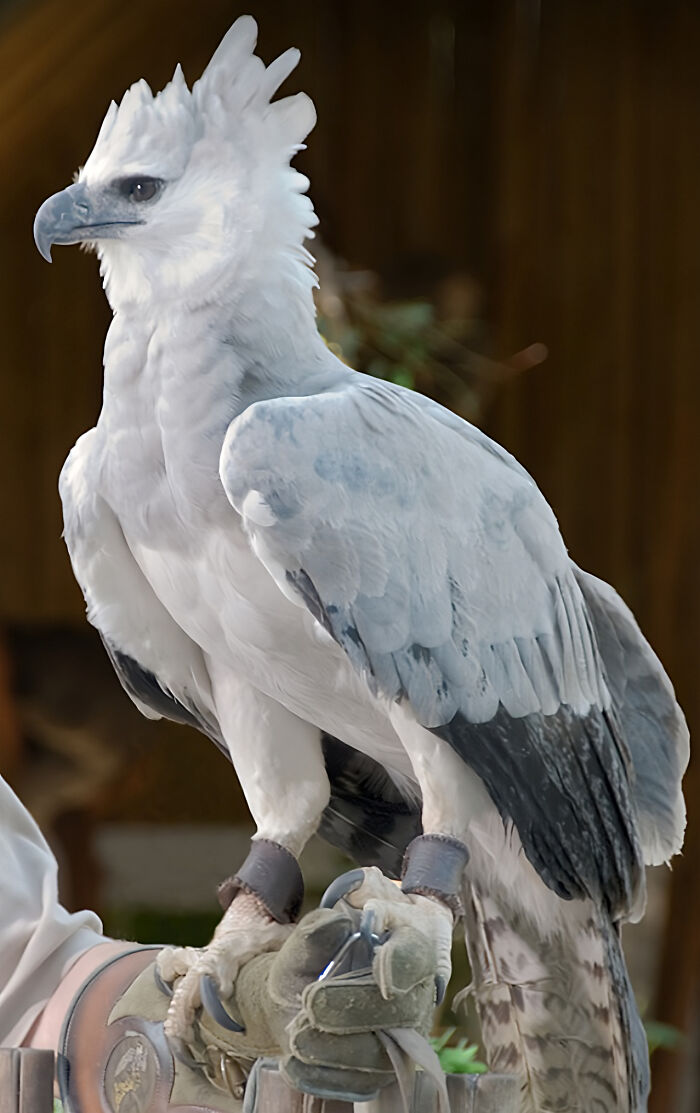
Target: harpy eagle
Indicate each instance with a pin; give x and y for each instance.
(357, 595)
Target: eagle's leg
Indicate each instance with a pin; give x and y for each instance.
(435, 863)
(279, 762)
(434, 866)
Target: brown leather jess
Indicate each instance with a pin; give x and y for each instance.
(122, 1065)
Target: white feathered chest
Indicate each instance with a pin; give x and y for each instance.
(170, 396)
(168, 403)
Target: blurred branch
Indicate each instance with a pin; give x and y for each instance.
(427, 343)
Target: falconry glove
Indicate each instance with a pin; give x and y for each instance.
(325, 1031)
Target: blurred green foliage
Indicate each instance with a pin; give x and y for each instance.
(459, 1057)
(404, 343)
(663, 1036)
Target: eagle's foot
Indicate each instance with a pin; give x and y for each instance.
(245, 930)
(386, 910)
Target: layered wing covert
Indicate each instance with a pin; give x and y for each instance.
(431, 557)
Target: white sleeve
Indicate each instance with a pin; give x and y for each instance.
(39, 939)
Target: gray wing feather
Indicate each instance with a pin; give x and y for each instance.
(434, 561)
(155, 700)
(654, 725)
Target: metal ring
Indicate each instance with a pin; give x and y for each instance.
(339, 955)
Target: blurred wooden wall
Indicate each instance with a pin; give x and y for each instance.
(551, 147)
(596, 252)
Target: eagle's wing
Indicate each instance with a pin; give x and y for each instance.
(653, 723)
(431, 557)
(159, 666)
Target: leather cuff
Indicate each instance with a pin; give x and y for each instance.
(271, 873)
(112, 1056)
(433, 866)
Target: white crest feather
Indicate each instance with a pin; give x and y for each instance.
(292, 118)
(277, 73)
(238, 43)
(236, 88)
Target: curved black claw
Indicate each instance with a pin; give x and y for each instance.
(440, 989)
(212, 1003)
(163, 986)
(346, 883)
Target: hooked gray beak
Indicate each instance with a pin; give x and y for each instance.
(74, 215)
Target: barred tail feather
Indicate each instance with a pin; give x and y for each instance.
(556, 1008)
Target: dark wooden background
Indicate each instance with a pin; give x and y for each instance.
(549, 147)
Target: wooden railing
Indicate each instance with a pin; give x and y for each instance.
(467, 1093)
(26, 1080)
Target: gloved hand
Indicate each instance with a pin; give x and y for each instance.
(337, 1030)
(324, 1031)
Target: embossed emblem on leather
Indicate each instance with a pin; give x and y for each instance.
(131, 1074)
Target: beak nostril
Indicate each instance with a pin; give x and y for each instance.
(82, 209)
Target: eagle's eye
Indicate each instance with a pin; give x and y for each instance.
(140, 189)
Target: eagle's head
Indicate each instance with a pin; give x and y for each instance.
(189, 192)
